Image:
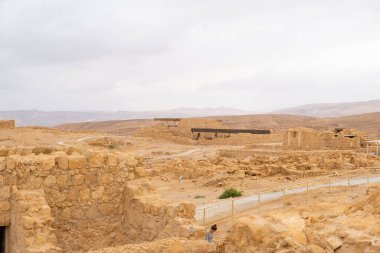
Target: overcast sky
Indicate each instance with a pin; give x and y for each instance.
(149, 55)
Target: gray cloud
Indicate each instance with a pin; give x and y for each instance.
(130, 55)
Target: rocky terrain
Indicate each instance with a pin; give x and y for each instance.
(87, 191)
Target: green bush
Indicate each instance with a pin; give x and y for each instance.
(199, 197)
(230, 193)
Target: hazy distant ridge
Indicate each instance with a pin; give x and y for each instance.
(43, 118)
(333, 109)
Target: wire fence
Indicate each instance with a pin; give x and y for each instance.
(261, 202)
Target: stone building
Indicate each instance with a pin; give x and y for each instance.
(75, 201)
(7, 124)
(309, 139)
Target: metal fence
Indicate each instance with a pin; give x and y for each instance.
(260, 202)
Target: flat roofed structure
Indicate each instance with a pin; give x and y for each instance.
(229, 131)
(167, 119)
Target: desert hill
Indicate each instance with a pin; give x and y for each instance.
(333, 109)
(369, 122)
(53, 118)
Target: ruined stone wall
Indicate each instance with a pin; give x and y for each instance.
(31, 220)
(184, 136)
(148, 217)
(309, 139)
(7, 124)
(85, 193)
(89, 199)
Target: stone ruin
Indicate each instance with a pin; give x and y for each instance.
(182, 133)
(5, 124)
(309, 139)
(67, 201)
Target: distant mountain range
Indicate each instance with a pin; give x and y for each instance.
(53, 118)
(333, 109)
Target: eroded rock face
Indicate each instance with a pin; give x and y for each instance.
(324, 227)
(148, 217)
(258, 234)
(169, 245)
(83, 201)
(31, 228)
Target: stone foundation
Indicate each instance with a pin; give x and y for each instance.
(7, 124)
(76, 202)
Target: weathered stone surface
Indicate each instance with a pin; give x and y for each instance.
(50, 181)
(5, 192)
(5, 205)
(169, 245)
(98, 193)
(62, 162)
(77, 162)
(78, 179)
(106, 178)
(64, 181)
(85, 194)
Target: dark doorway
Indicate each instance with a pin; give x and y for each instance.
(2, 239)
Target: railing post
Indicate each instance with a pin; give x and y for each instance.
(258, 202)
(232, 210)
(329, 184)
(204, 216)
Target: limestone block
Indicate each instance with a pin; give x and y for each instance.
(85, 194)
(77, 162)
(27, 151)
(64, 181)
(50, 181)
(73, 195)
(98, 193)
(78, 179)
(131, 176)
(4, 151)
(5, 205)
(112, 160)
(96, 159)
(5, 192)
(92, 212)
(91, 179)
(10, 163)
(334, 242)
(139, 171)
(188, 209)
(5, 218)
(62, 162)
(47, 163)
(106, 178)
(27, 222)
(106, 208)
(10, 180)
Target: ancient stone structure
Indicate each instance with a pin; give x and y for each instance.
(309, 139)
(211, 133)
(183, 134)
(7, 124)
(71, 201)
(168, 122)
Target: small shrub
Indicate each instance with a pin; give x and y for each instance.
(230, 193)
(199, 197)
(112, 146)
